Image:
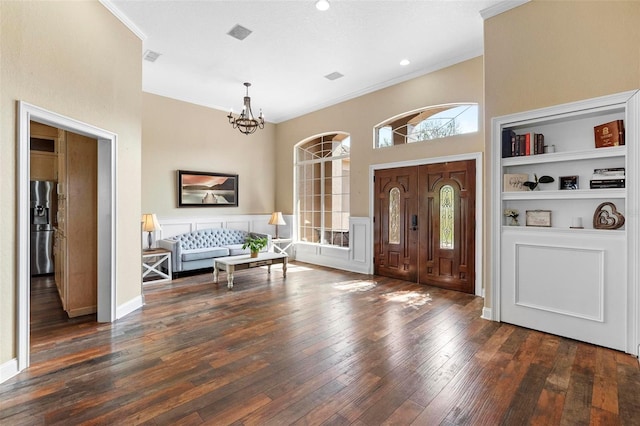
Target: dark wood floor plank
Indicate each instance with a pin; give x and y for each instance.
(355, 388)
(320, 347)
(605, 389)
(628, 390)
(549, 408)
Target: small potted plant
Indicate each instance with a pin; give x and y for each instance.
(513, 215)
(255, 244)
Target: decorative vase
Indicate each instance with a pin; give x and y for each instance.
(513, 221)
(254, 254)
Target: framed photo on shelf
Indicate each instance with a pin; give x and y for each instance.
(538, 218)
(568, 182)
(514, 182)
(204, 189)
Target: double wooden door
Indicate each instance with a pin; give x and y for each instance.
(424, 224)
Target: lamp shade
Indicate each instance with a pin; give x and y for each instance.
(277, 219)
(150, 222)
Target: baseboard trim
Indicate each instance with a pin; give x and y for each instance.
(8, 369)
(128, 307)
(487, 314)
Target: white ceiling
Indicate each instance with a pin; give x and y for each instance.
(293, 46)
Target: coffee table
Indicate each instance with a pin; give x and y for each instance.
(230, 264)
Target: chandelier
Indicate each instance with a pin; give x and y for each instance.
(246, 122)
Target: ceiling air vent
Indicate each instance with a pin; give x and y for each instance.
(150, 55)
(239, 32)
(333, 76)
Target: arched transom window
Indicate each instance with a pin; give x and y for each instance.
(322, 189)
(427, 124)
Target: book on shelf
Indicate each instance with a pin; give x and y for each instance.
(609, 134)
(508, 142)
(521, 145)
(608, 173)
(539, 143)
(606, 183)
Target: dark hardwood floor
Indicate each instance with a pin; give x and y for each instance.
(319, 347)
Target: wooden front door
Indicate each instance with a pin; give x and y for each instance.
(447, 241)
(396, 239)
(424, 224)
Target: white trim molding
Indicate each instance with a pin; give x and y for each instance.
(107, 217)
(8, 369)
(130, 306)
(501, 7)
(123, 18)
(486, 313)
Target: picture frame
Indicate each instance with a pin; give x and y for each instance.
(207, 189)
(514, 182)
(541, 218)
(568, 182)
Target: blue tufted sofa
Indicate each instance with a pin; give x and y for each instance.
(196, 250)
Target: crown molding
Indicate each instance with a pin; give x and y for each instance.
(501, 7)
(124, 19)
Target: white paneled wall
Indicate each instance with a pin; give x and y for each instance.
(249, 223)
(357, 257)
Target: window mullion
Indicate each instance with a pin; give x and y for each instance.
(322, 204)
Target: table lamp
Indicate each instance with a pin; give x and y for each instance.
(150, 224)
(276, 219)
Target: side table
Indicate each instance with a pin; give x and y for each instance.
(153, 262)
(278, 244)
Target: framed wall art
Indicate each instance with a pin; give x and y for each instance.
(205, 189)
(538, 218)
(514, 182)
(568, 182)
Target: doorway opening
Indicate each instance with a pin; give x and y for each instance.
(106, 229)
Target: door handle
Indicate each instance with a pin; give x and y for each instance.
(414, 222)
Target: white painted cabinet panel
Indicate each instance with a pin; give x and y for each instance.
(577, 282)
(570, 283)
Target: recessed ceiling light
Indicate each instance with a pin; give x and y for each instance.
(404, 62)
(323, 5)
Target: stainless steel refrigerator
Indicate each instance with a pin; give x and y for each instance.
(41, 212)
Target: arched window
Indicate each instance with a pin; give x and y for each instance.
(322, 189)
(429, 123)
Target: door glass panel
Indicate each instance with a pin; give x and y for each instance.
(446, 217)
(394, 216)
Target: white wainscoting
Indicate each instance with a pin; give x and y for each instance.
(249, 223)
(356, 258)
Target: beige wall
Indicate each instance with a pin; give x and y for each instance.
(183, 136)
(546, 53)
(78, 60)
(458, 83)
(56, 55)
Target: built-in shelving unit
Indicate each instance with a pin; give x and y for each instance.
(559, 278)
